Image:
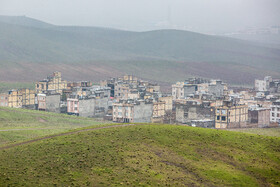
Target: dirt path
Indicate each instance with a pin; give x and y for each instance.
(64, 134)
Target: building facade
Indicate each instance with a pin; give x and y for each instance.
(53, 83)
(231, 116)
(275, 112)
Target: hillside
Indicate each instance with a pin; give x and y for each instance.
(20, 124)
(144, 155)
(28, 45)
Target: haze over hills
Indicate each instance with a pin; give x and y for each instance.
(30, 49)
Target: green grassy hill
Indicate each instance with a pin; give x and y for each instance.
(141, 155)
(28, 45)
(20, 124)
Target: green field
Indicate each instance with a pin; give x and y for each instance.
(144, 155)
(260, 131)
(21, 124)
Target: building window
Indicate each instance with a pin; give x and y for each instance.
(218, 110)
(223, 118)
(120, 113)
(218, 117)
(278, 115)
(272, 114)
(224, 112)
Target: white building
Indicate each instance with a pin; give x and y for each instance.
(263, 85)
(275, 112)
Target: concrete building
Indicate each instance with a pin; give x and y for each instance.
(275, 112)
(184, 90)
(231, 115)
(133, 111)
(4, 100)
(53, 83)
(158, 109)
(81, 107)
(216, 87)
(90, 106)
(267, 85)
(168, 102)
(49, 102)
(18, 98)
(71, 85)
(192, 110)
(178, 91)
(259, 117)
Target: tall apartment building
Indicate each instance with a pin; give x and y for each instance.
(53, 83)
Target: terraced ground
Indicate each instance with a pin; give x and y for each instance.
(144, 155)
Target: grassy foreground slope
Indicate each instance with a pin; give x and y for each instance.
(21, 124)
(260, 131)
(145, 155)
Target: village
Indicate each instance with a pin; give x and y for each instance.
(195, 102)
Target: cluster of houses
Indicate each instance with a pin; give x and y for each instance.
(196, 102)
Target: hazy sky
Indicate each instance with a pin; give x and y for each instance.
(208, 16)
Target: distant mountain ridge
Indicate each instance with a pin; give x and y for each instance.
(28, 44)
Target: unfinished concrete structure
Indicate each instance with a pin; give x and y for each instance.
(259, 117)
(231, 115)
(192, 110)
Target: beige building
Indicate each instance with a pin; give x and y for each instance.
(52, 83)
(133, 111)
(158, 109)
(178, 91)
(28, 97)
(18, 98)
(168, 102)
(130, 79)
(123, 112)
(231, 116)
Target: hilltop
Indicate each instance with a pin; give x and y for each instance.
(22, 124)
(28, 45)
(139, 154)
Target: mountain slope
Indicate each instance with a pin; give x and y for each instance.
(147, 155)
(28, 43)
